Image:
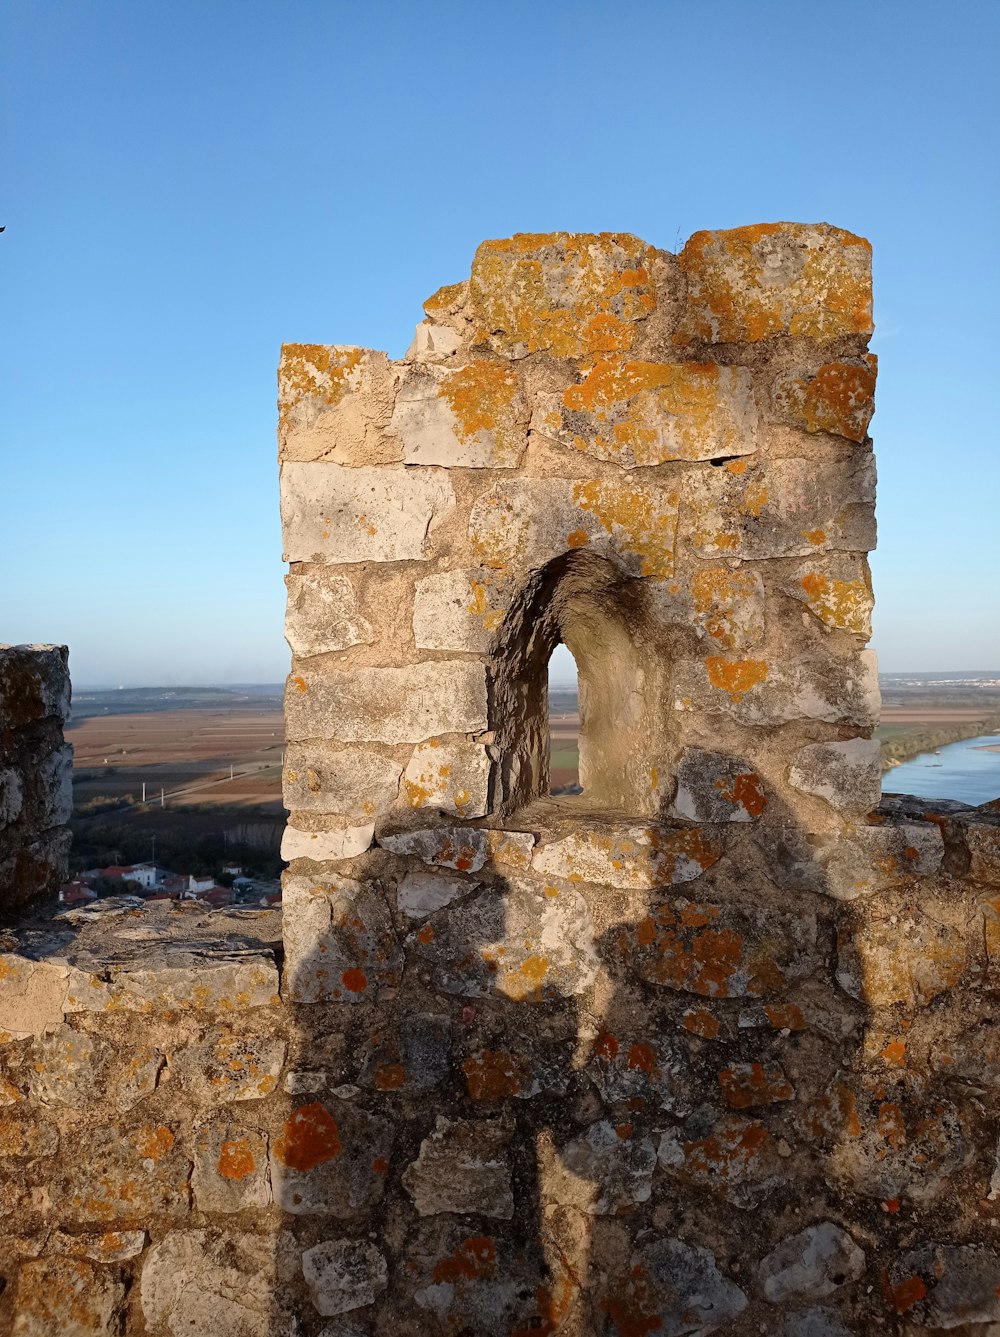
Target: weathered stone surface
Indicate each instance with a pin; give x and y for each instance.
(532, 520)
(750, 283)
(472, 417)
(617, 1163)
(635, 857)
(728, 606)
(811, 1265)
(68, 1067)
(814, 1322)
(226, 1065)
(331, 1159)
(846, 867)
(749, 1085)
(420, 894)
(528, 944)
(230, 1167)
(757, 508)
(907, 959)
(848, 775)
(34, 684)
(982, 838)
(340, 944)
(465, 849)
(460, 610)
(713, 787)
(27, 1138)
(674, 1289)
(11, 795)
(326, 846)
(321, 615)
(66, 1296)
(350, 781)
(206, 978)
(449, 775)
(334, 404)
(330, 513)
(111, 1246)
(433, 342)
(120, 1173)
(202, 1283)
(387, 705)
(342, 1275)
(462, 1167)
(736, 1158)
(947, 1285)
(412, 1056)
(568, 294)
(836, 397)
(630, 1068)
(759, 691)
(648, 413)
(837, 588)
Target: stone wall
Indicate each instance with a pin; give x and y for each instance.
(36, 795)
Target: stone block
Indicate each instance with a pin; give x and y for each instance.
(331, 513)
(331, 1159)
(387, 705)
(713, 787)
(343, 1275)
(412, 1055)
(352, 782)
(672, 1287)
(734, 1157)
(747, 1086)
(110, 1246)
(837, 397)
(634, 857)
(982, 839)
(650, 1068)
(340, 944)
(34, 684)
(420, 894)
(616, 1162)
(727, 606)
(230, 1167)
(449, 775)
(464, 848)
(326, 846)
(472, 417)
(947, 1286)
(206, 1283)
(69, 1297)
(568, 294)
(648, 413)
(532, 520)
(811, 1265)
(204, 980)
(226, 1065)
(334, 404)
(811, 281)
(837, 589)
(761, 691)
(130, 1173)
(321, 615)
(911, 961)
(68, 1067)
(460, 610)
(847, 775)
(760, 508)
(433, 342)
(462, 1167)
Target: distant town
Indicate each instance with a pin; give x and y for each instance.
(149, 882)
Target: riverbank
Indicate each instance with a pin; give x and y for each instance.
(904, 747)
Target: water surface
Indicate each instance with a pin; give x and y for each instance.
(961, 771)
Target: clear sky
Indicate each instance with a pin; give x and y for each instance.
(186, 185)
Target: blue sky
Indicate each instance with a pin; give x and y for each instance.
(187, 185)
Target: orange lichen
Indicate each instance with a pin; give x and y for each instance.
(317, 370)
(492, 1075)
(702, 1023)
(746, 1084)
(482, 396)
(744, 792)
(154, 1141)
(579, 538)
(390, 1076)
(839, 398)
(735, 676)
(642, 1057)
(354, 980)
(445, 297)
(635, 520)
(236, 1159)
(474, 1258)
(606, 1046)
(310, 1138)
(723, 601)
(839, 603)
(632, 1306)
(908, 1293)
(816, 537)
(785, 1016)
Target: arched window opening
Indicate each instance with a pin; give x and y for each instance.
(564, 723)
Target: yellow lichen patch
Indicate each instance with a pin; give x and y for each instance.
(445, 297)
(728, 606)
(321, 371)
(838, 398)
(635, 520)
(484, 398)
(735, 676)
(846, 604)
(754, 283)
(568, 294)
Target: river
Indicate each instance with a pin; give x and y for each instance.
(961, 771)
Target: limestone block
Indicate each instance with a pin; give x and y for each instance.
(837, 397)
(619, 1168)
(420, 894)
(718, 950)
(69, 1297)
(530, 944)
(567, 294)
(464, 848)
(837, 589)
(471, 417)
(331, 1159)
(713, 787)
(655, 1069)
(647, 413)
(433, 343)
(673, 1288)
(868, 860)
(321, 615)
(848, 775)
(462, 1167)
(412, 1055)
(811, 1265)
(230, 1167)
(68, 1067)
(111, 1246)
(211, 982)
(758, 691)
(727, 606)
(331, 513)
(911, 961)
(450, 775)
(630, 856)
(206, 1283)
(227, 1065)
(460, 610)
(334, 403)
(342, 1275)
(340, 944)
(734, 1157)
(121, 1173)
(531, 520)
(811, 281)
(326, 846)
(758, 508)
(387, 705)
(353, 782)
(32, 994)
(947, 1286)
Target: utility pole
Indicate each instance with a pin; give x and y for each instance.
(230, 770)
(162, 804)
(144, 791)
